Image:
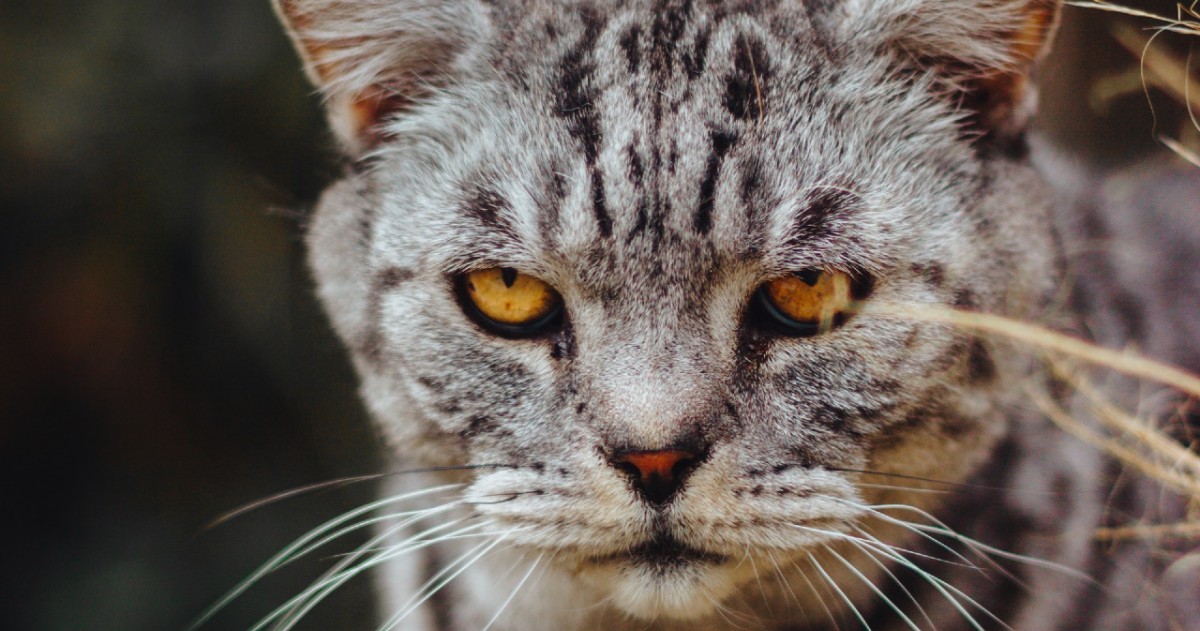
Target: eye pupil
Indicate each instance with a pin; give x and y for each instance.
(508, 303)
(509, 276)
(808, 302)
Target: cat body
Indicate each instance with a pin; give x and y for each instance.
(662, 456)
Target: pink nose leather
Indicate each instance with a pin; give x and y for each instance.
(652, 464)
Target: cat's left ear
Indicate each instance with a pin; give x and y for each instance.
(984, 50)
(372, 59)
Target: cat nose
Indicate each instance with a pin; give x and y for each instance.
(657, 475)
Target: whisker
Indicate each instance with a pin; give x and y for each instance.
(520, 584)
(871, 585)
(411, 517)
(944, 588)
(843, 536)
(337, 483)
(761, 588)
(426, 542)
(873, 544)
(907, 489)
(283, 495)
(979, 547)
(436, 583)
(282, 557)
(882, 566)
(911, 527)
(445, 576)
(957, 486)
(788, 586)
(829, 580)
(290, 612)
(811, 586)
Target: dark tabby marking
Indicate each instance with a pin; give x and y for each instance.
(665, 456)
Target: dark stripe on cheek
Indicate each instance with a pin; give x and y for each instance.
(722, 142)
(604, 221)
(981, 367)
(933, 273)
(669, 23)
(632, 48)
(372, 342)
(392, 278)
(479, 426)
(696, 60)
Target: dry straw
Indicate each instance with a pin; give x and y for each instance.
(1137, 442)
(1160, 68)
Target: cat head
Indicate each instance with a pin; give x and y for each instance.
(638, 257)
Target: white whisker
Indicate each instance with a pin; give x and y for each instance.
(286, 555)
(788, 586)
(520, 584)
(945, 589)
(980, 548)
(334, 578)
(445, 576)
(828, 612)
(290, 613)
(873, 587)
(882, 566)
(829, 580)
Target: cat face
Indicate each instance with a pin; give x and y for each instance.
(657, 166)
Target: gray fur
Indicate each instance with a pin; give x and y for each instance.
(656, 162)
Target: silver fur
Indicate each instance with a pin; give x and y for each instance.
(656, 162)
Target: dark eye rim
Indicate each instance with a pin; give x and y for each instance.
(765, 314)
(546, 324)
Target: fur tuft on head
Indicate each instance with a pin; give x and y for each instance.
(373, 58)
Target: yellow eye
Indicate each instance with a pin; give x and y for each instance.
(509, 302)
(809, 302)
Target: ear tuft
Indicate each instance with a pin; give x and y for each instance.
(984, 50)
(1002, 96)
(372, 59)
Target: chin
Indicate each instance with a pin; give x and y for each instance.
(679, 590)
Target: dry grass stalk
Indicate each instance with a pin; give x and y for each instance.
(1134, 441)
(1125, 362)
(1189, 530)
(1130, 455)
(1186, 20)
(1159, 68)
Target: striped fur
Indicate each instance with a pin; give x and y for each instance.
(655, 162)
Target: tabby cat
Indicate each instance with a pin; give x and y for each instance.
(621, 280)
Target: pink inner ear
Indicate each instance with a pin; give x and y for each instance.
(370, 108)
(998, 95)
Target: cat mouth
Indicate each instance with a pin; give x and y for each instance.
(663, 551)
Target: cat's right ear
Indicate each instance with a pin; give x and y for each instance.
(372, 59)
(982, 51)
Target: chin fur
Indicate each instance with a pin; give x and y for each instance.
(683, 591)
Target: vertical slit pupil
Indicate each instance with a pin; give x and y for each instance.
(509, 276)
(810, 276)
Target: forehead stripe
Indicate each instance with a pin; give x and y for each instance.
(722, 142)
(575, 105)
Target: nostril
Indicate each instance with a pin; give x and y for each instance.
(657, 475)
(647, 463)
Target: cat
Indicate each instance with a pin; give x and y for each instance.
(619, 281)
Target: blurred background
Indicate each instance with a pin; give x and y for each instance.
(162, 357)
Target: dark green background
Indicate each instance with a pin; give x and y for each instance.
(162, 359)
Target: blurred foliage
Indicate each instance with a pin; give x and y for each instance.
(163, 358)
